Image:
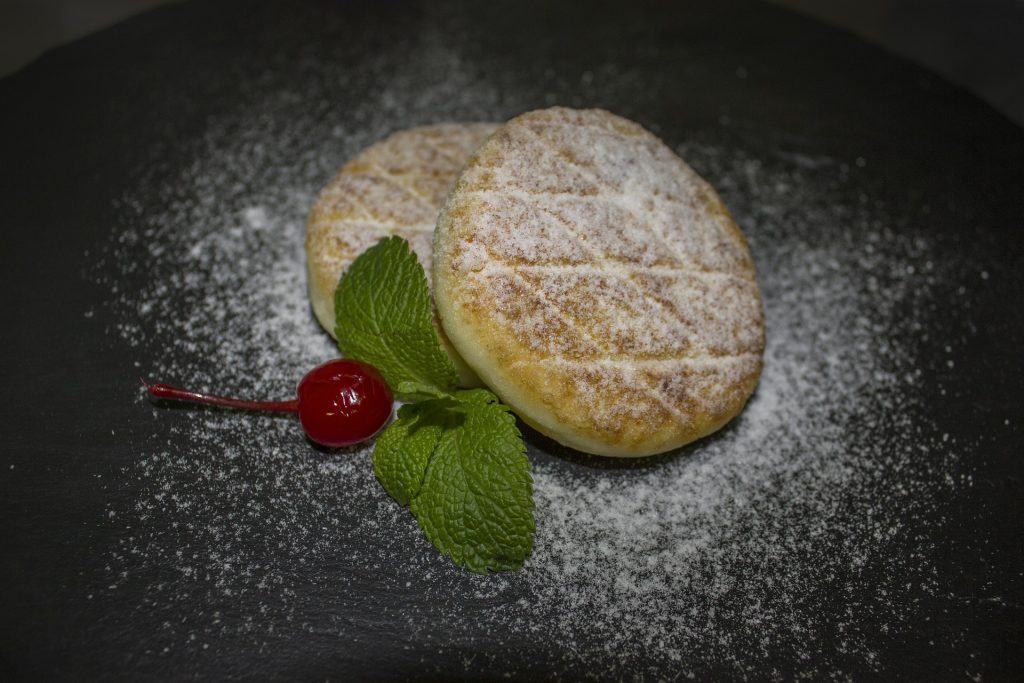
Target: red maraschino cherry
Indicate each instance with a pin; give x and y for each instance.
(340, 403)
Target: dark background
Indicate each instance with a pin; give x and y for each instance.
(976, 45)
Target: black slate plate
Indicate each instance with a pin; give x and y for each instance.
(861, 519)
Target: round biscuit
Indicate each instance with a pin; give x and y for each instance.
(393, 187)
(598, 285)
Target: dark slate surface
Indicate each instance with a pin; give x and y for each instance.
(75, 124)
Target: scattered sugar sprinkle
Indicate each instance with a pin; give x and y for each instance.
(793, 522)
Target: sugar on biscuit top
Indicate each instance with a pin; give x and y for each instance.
(598, 285)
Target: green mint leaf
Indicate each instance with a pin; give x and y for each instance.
(478, 396)
(414, 391)
(475, 501)
(402, 451)
(384, 318)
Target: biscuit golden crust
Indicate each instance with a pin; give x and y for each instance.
(598, 285)
(394, 187)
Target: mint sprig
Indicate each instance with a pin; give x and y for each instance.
(384, 319)
(476, 498)
(455, 457)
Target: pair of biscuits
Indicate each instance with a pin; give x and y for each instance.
(580, 269)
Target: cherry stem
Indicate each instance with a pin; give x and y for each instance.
(175, 394)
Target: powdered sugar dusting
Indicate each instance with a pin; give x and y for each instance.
(747, 548)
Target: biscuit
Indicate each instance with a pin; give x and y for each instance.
(598, 285)
(394, 187)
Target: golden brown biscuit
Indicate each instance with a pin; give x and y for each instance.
(394, 187)
(598, 285)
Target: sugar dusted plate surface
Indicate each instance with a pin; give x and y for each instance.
(856, 520)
